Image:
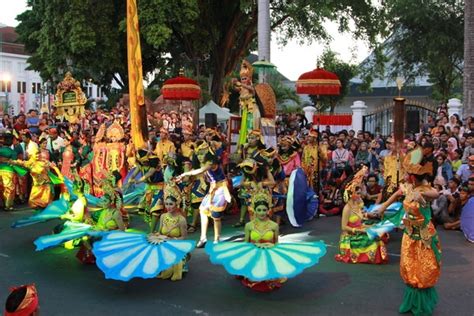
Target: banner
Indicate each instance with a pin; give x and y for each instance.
(22, 102)
(135, 77)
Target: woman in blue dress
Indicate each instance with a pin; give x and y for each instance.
(215, 202)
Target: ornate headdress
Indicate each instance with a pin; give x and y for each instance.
(100, 133)
(246, 70)
(172, 191)
(261, 196)
(22, 300)
(355, 182)
(412, 163)
(115, 132)
(258, 134)
(313, 133)
(249, 166)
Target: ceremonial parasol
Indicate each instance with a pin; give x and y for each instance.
(318, 82)
(182, 88)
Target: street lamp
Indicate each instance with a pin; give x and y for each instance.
(6, 79)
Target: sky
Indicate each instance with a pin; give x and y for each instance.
(291, 60)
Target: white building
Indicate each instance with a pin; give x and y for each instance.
(20, 89)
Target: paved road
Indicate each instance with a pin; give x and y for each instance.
(331, 288)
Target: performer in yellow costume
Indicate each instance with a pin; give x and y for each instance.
(173, 226)
(7, 173)
(420, 260)
(164, 146)
(42, 188)
(311, 157)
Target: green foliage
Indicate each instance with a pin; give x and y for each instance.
(428, 39)
(284, 93)
(344, 71)
(207, 36)
(152, 93)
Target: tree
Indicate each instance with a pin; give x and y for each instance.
(468, 58)
(427, 39)
(89, 37)
(227, 29)
(345, 73)
(176, 32)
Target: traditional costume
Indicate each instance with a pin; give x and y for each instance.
(355, 246)
(248, 104)
(261, 263)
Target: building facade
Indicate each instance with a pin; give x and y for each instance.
(21, 89)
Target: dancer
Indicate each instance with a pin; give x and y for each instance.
(313, 155)
(173, 226)
(420, 260)
(250, 110)
(42, 188)
(355, 246)
(7, 172)
(151, 204)
(215, 202)
(261, 262)
(197, 186)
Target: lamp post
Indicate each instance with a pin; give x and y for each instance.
(6, 79)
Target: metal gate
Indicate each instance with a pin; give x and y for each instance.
(381, 120)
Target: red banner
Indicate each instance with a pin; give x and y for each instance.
(22, 102)
(333, 119)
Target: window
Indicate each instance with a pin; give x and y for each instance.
(21, 86)
(38, 87)
(89, 92)
(33, 88)
(98, 92)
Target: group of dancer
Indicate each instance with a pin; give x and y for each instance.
(166, 190)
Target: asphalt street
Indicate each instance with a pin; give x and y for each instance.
(66, 287)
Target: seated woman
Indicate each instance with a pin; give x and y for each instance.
(355, 246)
(172, 225)
(261, 262)
(331, 200)
(263, 232)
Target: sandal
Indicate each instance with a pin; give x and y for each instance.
(201, 243)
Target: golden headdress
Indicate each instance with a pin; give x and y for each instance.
(355, 182)
(172, 191)
(412, 163)
(256, 133)
(115, 132)
(249, 165)
(100, 133)
(268, 153)
(261, 196)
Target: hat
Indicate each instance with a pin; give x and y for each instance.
(22, 301)
(249, 165)
(313, 133)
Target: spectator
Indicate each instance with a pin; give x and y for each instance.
(32, 121)
(444, 171)
(469, 149)
(466, 170)
(363, 155)
(372, 193)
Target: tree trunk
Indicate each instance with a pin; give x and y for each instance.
(468, 85)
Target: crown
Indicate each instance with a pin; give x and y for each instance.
(261, 196)
(115, 132)
(355, 182)
(172, 191)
